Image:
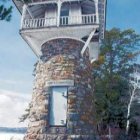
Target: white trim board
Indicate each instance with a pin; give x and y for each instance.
(52, 83)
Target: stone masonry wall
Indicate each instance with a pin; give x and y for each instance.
(61, 59)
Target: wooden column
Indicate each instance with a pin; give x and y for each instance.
(59, 3)
(23, 15)
(97, 11)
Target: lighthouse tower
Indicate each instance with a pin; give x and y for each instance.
(65, 36)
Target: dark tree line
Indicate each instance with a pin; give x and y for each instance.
(111, 74)
(5, 11)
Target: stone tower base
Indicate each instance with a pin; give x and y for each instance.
(62, 61)
(64, 137)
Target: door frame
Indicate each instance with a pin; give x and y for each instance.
(50, 96)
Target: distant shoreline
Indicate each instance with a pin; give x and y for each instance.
(20, 130)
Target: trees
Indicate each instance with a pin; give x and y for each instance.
(5, 12)
(111, 76)
(134, 90)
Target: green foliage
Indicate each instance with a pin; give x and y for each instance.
(5, 13)
(134, 129)
(111, 76)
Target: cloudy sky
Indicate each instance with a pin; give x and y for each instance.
(12, 106)
(17, 60)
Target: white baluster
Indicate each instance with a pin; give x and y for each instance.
(23, 24)
(62, 20)
(30, 23)
(83, 19)
(27, 22)
(39, 22)
(90, 19)
(65, 21)
(45, 22)
(49, 21)
(33, 23)
(70, 20)
(95, 19)
(42, 22)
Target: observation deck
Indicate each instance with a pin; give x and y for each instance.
(44, 20)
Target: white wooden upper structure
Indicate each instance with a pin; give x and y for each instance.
(44, 20)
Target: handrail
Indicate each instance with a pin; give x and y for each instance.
(64, 21)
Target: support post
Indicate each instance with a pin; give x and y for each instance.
(88, 41)
(97, 11)
(59, 3)
(23, 15)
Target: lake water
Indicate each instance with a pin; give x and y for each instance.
(11, 136)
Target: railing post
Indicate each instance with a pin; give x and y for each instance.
(97, 11)
(23, 15)
(59, 3)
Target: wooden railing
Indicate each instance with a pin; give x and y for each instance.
(64, 21)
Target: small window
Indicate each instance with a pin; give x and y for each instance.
(64, 15)
(64, 10)
(58, 106)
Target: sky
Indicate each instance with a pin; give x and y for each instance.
(17, 59)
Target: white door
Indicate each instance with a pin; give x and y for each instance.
(75, 16)
(58, 106)
(51, 17)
